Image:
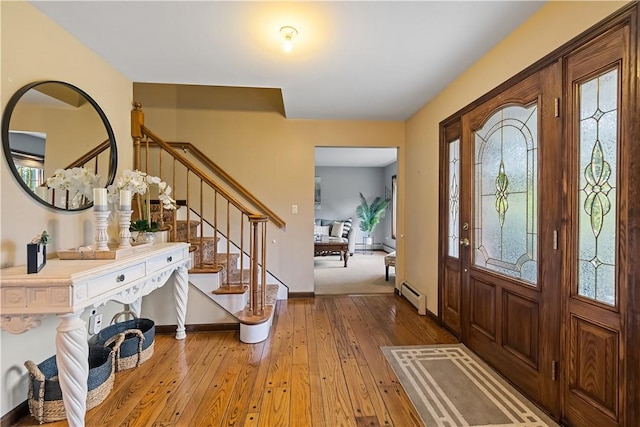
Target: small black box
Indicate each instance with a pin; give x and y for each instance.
(36, 257)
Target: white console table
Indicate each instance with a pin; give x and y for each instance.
(66, 288)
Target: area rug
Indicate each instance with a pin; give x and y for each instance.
(364, 275)
(449, 386)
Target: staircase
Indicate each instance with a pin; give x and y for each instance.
(227, 238)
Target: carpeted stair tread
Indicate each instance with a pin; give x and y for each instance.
(206, 249)
(182, 227)
(221, 258)
(234, 278)
(272, 294)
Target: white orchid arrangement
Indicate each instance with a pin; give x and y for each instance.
(77, 181)
(139, 182)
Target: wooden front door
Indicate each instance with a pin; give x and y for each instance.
(510, 211)
(539, 226)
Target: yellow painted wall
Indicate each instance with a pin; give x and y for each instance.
(554, 24)
(34, 48)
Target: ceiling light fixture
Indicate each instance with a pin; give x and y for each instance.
(288, 33)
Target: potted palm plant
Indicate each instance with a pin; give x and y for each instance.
(370, 215)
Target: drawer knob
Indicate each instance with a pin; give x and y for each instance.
(120, 278)
(169, 258)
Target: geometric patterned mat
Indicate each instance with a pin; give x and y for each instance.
(451, 387)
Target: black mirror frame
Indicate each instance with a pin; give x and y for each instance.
(6, 118)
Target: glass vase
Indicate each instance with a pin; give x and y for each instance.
(145, 237)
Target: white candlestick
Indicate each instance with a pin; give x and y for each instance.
(125, 200)
(100, 199)
(101, 237)
(124, 220)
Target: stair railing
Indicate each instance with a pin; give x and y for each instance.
(203, 200)
(91, 156)
(188, 147)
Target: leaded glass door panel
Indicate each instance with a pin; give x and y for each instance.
(598, 96)
(450, 228)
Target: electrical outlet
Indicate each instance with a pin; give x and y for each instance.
(95, 324)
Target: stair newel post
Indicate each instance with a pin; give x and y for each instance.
(263, 278)
(253, 282)
(228, 244)
(257, 309)
(137, 121)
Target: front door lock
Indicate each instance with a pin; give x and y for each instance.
(464, 242)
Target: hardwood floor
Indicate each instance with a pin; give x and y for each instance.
(321, 366)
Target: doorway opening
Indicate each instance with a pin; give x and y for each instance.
(346, 259)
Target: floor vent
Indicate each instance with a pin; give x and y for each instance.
(414, 297)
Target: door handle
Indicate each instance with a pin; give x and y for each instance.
(464, 242)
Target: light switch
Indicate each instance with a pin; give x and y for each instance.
(294, 209)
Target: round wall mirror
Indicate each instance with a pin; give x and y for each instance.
(51, 125)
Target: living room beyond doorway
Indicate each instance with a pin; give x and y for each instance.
(341, 174)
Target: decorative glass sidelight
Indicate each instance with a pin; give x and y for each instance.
(454, 198)
(598, 137)
(506, 193)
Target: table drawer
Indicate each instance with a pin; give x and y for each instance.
(116, 279)
(160, 262)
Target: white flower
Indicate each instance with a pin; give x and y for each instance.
(76, 181)
(139, 182)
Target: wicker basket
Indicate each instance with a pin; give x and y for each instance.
(138, 345)
(45, 396)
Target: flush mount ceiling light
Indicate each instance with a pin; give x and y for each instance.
(288, 33)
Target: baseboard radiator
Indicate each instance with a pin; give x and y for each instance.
(414, 297)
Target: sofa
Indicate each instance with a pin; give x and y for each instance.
(336, 229)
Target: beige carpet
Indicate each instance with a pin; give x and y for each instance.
(450, 386)
(364, 275)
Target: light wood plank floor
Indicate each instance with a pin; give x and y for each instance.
(321, 366)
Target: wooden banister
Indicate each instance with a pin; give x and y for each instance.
(222, 248)
(89, 155)
(246, 194)
(196, 170)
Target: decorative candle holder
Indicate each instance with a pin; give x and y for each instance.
(101, 237)
(125, 223)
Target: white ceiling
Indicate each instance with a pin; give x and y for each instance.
(357, 60)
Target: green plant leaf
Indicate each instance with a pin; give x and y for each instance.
(371, 213)
(143, 225)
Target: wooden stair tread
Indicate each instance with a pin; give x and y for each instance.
(232, 290)
(247, 317)
(204, 269)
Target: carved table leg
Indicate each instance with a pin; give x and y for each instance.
(136, 307)
(181, 288)
(72, 357)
